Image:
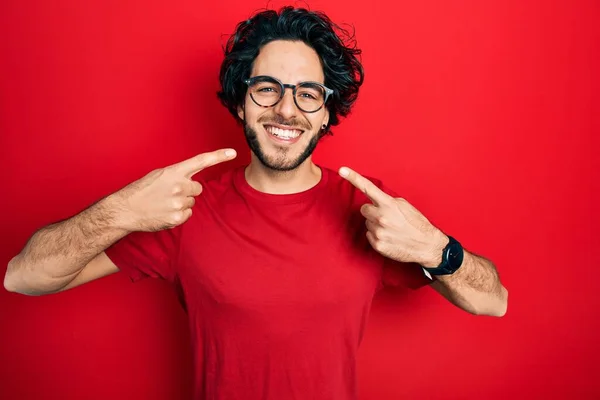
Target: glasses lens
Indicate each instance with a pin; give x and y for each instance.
(265, 92)
(310, 97)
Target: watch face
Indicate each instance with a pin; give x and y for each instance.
(452, 259)
(455, 256)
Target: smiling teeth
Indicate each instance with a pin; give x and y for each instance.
(283, 133)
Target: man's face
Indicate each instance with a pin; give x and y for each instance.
(284, 150)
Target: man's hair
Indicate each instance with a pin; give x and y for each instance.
(335, 46)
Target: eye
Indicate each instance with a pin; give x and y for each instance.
(308, 91)
(308, 96)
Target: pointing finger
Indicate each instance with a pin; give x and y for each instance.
(202, 161)
(376, 195)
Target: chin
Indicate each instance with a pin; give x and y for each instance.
(278, 156)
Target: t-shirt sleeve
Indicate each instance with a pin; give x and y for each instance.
(147, 254)
(397, 274)
(406, 275)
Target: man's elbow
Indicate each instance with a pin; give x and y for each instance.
(503, 308)
(8, 284)
(16, 282)
(9, 281)
(11, 286)
(496, 307)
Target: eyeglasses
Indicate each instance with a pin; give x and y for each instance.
(267, 91)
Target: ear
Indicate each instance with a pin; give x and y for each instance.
(326, 117)
(240, 111)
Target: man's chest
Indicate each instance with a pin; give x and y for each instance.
(266, 262)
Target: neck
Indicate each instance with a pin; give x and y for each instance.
(270, 181)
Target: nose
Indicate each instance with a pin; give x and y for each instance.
(287, 107)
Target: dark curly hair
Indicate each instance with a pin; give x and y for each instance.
(335, 46)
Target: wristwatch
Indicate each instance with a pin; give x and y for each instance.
(452, 258)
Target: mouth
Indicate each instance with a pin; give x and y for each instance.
(283, 134)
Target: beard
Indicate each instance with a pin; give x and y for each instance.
(279, 161)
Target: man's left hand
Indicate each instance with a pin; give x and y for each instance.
(395, 228)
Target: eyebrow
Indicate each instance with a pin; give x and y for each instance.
(296, 83)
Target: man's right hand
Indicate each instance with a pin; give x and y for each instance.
(164, 197)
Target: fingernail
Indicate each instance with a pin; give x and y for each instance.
(344, 171)
(230, 153)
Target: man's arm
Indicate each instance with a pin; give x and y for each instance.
(69, 253)
(397, 230)
(56, 254)
(475, 287)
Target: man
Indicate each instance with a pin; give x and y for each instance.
(276, 262)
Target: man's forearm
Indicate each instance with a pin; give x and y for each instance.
(475, 287)
(55, 254)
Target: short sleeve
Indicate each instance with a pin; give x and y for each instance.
(403, 275)
(397, 274)
(147, 254)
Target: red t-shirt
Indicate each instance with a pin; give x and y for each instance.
(277, 288)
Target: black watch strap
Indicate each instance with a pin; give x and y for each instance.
(452, 258)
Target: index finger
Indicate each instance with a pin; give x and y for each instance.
(376, 195)
(199, 162)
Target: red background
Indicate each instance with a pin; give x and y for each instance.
(482, 114)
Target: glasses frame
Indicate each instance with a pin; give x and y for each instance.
(250, 81)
